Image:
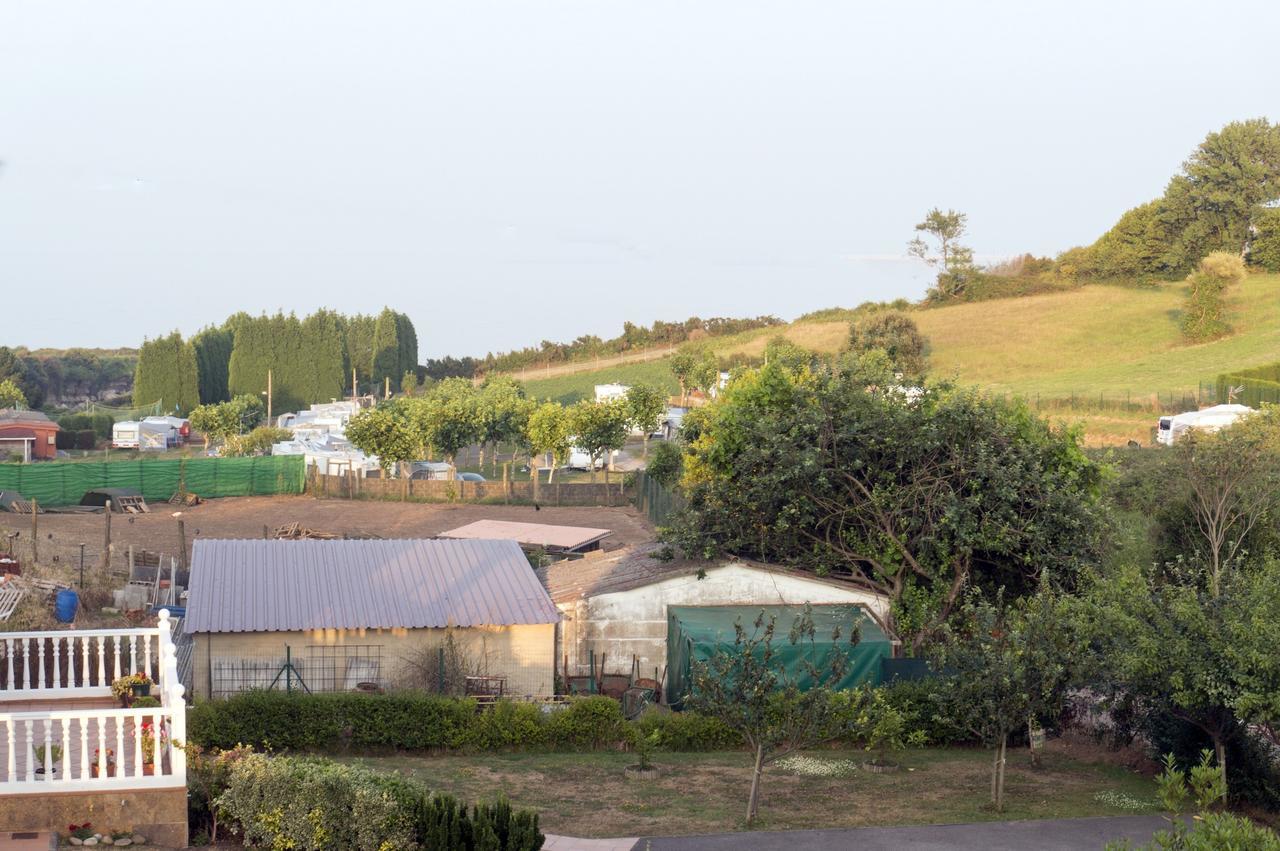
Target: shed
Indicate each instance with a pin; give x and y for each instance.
(329, 615)
(29, 434)
(119, 497)
(616, 606)
(696, 633)
(544, 536)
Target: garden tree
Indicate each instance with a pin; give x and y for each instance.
(838, 472)
(409, 383)
(645, 406)
(359, 343)
(223, 420)
(898, 336)
(667, 464)
(257, 442)
(547, 431)
(953, 261)
(213, 357)
(445, 420)
(502, 409)
(1009, 665)
(26, 373)
(384, 432)
(1264, 248)
(598, 428)
(787, 354)
(11, 395)
(682, 365)
(407, 336)
(167, 372)
(1204, 312)
(1196, 645)
(746, 688)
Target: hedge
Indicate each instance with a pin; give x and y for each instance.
(309, 803)
(414, 720)
(1259, 384)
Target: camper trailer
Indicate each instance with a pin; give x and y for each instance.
(175, 429)
(1170, 428)
(124, 435)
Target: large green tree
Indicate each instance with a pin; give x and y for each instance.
(912, 498)
(359, 338)
(11, 395)
(645, 406)
(385, 432)
(167, 373)
(598, 428)
(323, 343)
(387, 350)
(26, 372)
(547, 432)
(897, 335)
(213, 358)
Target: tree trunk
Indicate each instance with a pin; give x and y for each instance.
(753, 801)
(1004, 744)
(995, 770)
(1220, 751)
(645, 442)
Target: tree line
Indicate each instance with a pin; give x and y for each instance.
(633, 337)
(312, 359)
(66, 375)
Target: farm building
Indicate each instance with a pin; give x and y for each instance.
(363, 614)
(543, 536)
(619, 607)
(27, 434)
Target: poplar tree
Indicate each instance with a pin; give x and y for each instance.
(213, 359)
(386, 349)
(166, 372)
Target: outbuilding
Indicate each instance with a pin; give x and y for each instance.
(27, 434)
(617, 608)
(320, 615)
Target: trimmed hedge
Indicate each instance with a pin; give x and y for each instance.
(309, 803)
(413, 720)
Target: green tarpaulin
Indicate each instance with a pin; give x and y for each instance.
(696, 633)
(57, 483)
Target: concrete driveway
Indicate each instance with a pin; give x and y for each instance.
(1054, 835)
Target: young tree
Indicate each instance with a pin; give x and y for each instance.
(897, 335)
(779, 350)
(445, 420)
(11, 395)
(547, 431)
(1204, 313)
(224, 420)
(747, 689)
(257, 442)
(953, 261)
(1200, 646)
(598, 428)
(409, 383)
(501, 409)
(645, 406)
(683, 363)
(912, 498)
(383, 431)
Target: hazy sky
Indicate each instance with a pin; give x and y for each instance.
(509, 172)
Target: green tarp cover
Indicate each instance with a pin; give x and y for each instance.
(696, 633)
(64, 483)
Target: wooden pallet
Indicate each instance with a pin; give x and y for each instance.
(297, 532)
(185, 498)
(131, 505)
(10, 597)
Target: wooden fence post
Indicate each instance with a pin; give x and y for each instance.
(106, 537)
(35, 531)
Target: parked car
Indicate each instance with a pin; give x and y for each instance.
(471, 477)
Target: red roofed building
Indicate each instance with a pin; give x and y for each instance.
(29, 434)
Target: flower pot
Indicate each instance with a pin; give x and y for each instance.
(880, 767)
(51, 775)
(149, 768)
(636, 772)
(140, 689)
(111, 769)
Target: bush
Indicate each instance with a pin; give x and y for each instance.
(687, 731)
(309, 803)
(1264, 251)
(666, 464)
(925, 706)
(86, 439)
(1204, 316)
(509, 725)
(587, 723)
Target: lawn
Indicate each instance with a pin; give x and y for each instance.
(571, 388)
(587, 794)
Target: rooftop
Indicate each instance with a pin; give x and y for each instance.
(12, 416)
(271, 586)
(549, 537)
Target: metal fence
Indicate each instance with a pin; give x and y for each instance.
(313, 670)
(656, 501)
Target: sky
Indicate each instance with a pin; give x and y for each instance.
(508, 172)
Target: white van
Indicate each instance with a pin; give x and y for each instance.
(1170, 428)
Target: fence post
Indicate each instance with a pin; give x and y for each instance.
(35, 531)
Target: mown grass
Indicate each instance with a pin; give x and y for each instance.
(571, 388)
(587, 794)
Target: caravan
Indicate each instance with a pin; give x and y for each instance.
(1170, 428)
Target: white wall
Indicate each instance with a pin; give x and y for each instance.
(624, 623)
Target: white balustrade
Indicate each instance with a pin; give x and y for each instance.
(98, 749)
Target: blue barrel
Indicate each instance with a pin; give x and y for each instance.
(65, 605)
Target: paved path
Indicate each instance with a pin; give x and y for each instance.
(570, 843)
(1055, 835)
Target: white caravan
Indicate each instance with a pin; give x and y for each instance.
(1213, 419)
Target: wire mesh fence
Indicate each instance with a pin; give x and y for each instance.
(313, 669)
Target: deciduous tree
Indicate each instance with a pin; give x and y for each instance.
(897, 335)
(598, 428)
(645, 406)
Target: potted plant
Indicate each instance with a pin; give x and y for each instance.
(126, 688)
(110, 760)
(54, 752)
(147, 731)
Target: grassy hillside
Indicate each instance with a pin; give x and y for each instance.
(1107, 357)
(571, 388)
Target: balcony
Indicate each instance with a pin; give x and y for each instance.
(61, 731)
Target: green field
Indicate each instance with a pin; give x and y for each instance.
(1107, 357)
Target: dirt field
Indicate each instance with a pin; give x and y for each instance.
(244, 517)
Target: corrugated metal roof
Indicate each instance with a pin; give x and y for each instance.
(531, 534)
(272, 586)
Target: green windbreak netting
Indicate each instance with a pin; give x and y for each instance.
(696, 633)
(64, 483)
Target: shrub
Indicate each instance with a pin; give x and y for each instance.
(666, 464)
(509, 725)
(687, 731)
(85, 439)
(1264, 251)
(925, 706)
(309, 803)
(588, 722)
(1204, 316)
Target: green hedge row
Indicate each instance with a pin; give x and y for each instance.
(282, 802)
(1261, 384)
(420, 721)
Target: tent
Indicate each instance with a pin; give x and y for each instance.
(696, 633)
